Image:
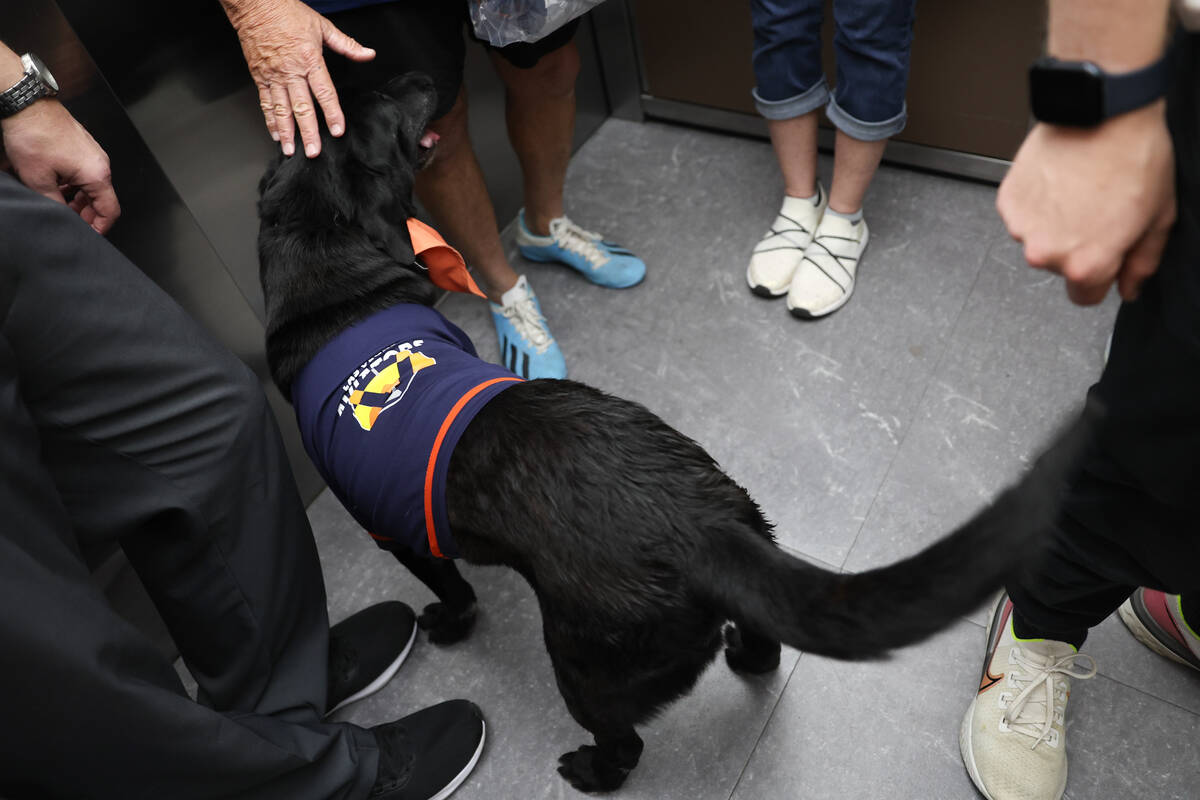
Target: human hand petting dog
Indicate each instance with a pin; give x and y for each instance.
(54, 155)
(1094, 205)
(283, 42)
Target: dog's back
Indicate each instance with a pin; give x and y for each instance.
(608, 506)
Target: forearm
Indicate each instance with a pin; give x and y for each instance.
(11, 71)
(11, 68)
(1116, 35)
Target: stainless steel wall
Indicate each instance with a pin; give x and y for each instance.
(163, 87)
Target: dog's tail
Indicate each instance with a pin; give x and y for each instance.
(867, 614)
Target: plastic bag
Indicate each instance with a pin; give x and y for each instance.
(1189, 14)
(504, 22)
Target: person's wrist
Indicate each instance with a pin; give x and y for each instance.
(243, 12)
(1117, 36)
(1115, 63)
(11, 68)
(42, 112)
(1130, 123)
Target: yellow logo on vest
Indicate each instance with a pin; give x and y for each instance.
(393, 373)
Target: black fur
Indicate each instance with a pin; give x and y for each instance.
(639, 549)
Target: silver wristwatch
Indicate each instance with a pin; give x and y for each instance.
(34, 85)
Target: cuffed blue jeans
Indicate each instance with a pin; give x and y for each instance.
(872, 44)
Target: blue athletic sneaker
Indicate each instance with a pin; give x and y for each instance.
(526, 346)
(603, 263)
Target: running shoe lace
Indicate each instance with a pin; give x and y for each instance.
(575, 239)
(528, 322)
(1042, 699)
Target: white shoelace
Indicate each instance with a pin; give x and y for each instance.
(1042, 700)
(528, 322)
(575, 239)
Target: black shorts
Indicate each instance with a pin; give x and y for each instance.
(424, 36)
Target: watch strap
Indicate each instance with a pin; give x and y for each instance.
(22, 94)
(1129, 90)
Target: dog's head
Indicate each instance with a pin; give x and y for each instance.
(362, 183)
(333, 244)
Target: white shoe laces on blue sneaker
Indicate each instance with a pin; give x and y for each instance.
(569, 236)
(527, 321)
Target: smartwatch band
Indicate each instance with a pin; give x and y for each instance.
(1130, 90)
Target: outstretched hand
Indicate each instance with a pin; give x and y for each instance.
(1094, 205)
(283, 42)
(55, 156)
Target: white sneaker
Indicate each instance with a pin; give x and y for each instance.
(824, 279)
(778, 253)
(1013, 737)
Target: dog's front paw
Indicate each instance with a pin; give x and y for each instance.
(587, 771)
(446, 625)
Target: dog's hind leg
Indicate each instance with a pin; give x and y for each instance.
(748, 651)
(604, 766)
(452, 618)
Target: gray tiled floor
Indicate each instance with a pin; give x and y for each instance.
(863, 436)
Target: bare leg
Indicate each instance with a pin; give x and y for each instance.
(777, 256)
(540, 112)
(854, 165)
(795, 142)
(453, 190)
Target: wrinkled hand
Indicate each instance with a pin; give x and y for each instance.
(54, 155)
(282, 41)
(1094, 205)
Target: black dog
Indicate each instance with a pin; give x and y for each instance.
(639, 548)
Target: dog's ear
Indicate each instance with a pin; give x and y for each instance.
(379, 174)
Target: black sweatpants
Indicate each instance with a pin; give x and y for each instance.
(121, 420)
(1132, 518)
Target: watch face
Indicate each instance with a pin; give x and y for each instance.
(1066, 93)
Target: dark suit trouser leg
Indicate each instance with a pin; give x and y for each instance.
(1130, 518)
(122, 421)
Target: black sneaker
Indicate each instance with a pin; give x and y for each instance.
(366, 649)
(427, 755)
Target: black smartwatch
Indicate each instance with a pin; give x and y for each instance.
(1080, 94)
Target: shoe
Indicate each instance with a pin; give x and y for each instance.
(824, 280)
(1013, 737)
(1156, 620)
(427, 755)
(603, 263)
(779, 251)
(526, 346)
(366, 649)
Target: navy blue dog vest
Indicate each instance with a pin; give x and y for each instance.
(381, 408)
